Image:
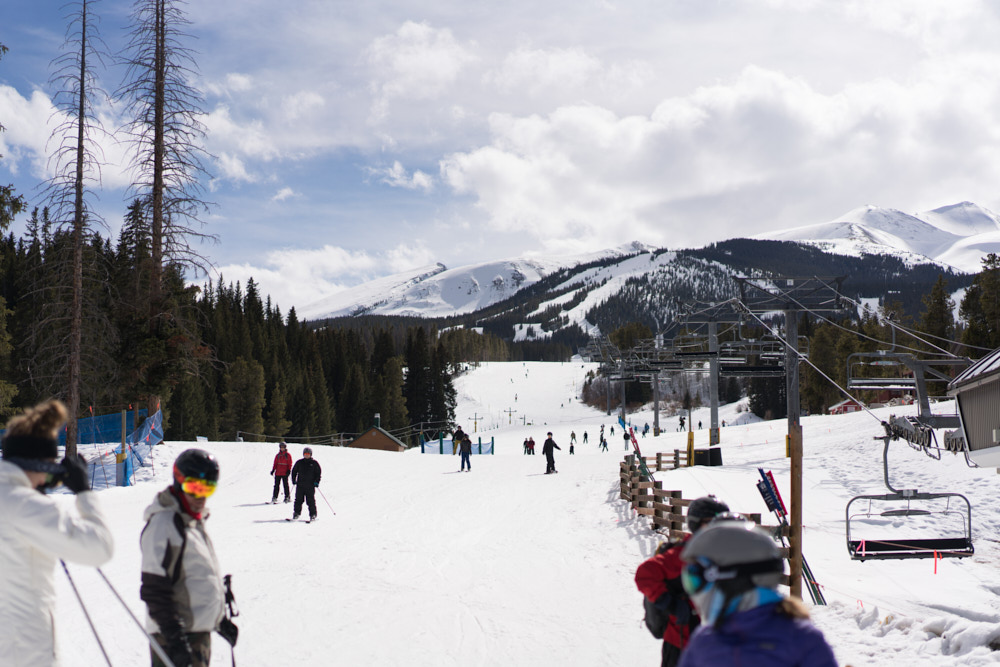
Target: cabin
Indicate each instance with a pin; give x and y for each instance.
(844, 407)
(377, 438)
(977, 397)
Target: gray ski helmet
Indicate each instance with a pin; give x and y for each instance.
(741, 554)
(307, 450)
(702, 510)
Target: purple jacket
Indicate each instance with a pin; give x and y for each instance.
(759, 637)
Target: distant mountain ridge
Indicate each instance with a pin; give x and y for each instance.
(958, 235)
(534, 299)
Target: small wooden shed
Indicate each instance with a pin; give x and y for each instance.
(977, 395)
(376, 438)
(845, 406)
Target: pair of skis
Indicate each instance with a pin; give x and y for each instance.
(772, 498)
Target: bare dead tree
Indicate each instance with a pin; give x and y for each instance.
(77, 167)
(166, 132)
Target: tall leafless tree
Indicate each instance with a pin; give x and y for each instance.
(77, 168)
(165, 128)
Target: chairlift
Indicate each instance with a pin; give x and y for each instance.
(909, 504)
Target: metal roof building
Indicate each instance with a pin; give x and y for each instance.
(977, 395)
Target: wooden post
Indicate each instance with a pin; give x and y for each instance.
(795, 451)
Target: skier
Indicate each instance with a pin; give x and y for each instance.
(604, 443)
(659, 579)
(572, 438)
(35, 530)
(732, 571)
(305, 476)
(456, 439)
(466, 452)
(182, 585)
(585, 437)
(548, 448)
(531, 446)
(525, 446)
(628, 440)
(280, 470)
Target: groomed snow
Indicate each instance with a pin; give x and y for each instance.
(424, 565)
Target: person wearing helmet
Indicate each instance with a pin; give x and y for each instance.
(306, 474)
(182, 585)
(280, 470)
(731, 571)
(659, 580)
(549, 449)
(36, 530)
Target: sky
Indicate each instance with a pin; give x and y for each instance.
(355, 140)
(416, 563)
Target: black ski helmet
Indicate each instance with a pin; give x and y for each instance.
(195, 463)
(702, 510)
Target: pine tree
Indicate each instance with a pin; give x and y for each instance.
(938, 320)
(244, 399)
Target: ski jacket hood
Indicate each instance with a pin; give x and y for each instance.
(181, 579)
(759, 637)
(35, 531)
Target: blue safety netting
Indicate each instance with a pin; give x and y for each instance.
(443, 446)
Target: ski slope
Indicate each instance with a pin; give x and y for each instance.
(425, 565)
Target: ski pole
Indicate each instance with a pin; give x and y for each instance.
(85, 612)
(325, 500)
(155, 645)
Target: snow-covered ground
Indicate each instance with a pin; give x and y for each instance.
(423, 565)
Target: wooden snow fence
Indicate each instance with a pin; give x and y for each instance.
(667, 510)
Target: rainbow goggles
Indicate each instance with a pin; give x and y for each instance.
(199, 488)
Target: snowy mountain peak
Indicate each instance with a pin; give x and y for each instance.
(957, 235)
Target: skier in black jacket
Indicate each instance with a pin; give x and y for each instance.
(550, 455)
(305, 476)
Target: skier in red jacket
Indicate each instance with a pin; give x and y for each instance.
(280, 470)
(659, 579)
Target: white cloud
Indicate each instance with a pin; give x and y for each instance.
(722, 155)
(416, 62)
(283, 194)
(397, 177)
(298, 277)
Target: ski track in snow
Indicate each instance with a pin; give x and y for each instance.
(506, 566)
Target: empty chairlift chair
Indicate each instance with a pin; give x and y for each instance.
(908, 523)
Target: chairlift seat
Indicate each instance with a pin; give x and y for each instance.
(948, 547)
(906, 512)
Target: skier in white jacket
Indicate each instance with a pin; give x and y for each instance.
(182, 585)
(36, 530)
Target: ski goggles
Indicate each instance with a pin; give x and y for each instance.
(199, 488)
(701, 573)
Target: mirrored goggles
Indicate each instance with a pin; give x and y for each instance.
(199, 488)
(701, 573)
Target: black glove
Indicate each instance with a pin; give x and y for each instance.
(272, 473)
(179, 652)
(76, 474)
(317, 484)
(229, 631)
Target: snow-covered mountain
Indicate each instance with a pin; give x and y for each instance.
(636, 282)
(958, 235)
(437, 291)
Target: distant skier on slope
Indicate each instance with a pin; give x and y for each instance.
(465, 449)
(306, 474)
(280, 469)
(659, 579)
(548, 448)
